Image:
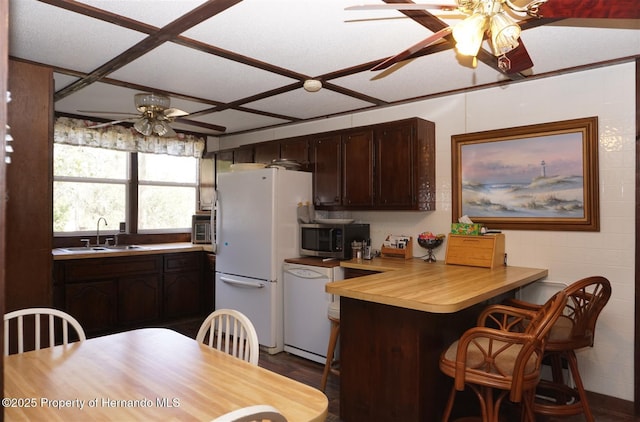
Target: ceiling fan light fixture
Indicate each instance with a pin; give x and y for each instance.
(312, 85)
(504, 34)
(143, 126)
(162, 128)
(469, 34)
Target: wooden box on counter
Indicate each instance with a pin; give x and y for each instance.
(476, 251)
(405, 253)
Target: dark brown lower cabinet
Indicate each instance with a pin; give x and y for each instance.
(139, 299)
(115, 293)
(93, 304)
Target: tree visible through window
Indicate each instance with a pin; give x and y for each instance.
(90, 183)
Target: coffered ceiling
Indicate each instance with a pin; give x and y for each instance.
(239, 65)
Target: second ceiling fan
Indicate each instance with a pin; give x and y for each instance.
(155, 115)
(497, 20)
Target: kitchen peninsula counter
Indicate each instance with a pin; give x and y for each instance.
(394, 324)
(430, 287)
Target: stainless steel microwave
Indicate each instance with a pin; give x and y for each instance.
(201, 228)
(331, 240)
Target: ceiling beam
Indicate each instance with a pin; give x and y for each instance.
(171, 30)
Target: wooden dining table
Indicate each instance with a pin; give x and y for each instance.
(149, 374)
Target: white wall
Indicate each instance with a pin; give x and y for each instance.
(608, 93)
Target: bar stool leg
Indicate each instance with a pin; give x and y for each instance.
(333, 340)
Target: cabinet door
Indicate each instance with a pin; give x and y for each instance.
(357, 169)
(395, 166)
(138, 299)
(298, 150)
(93, 304)
(183, 291)
(182, 294)
(326, 164)
(243, 155)
(265, 152)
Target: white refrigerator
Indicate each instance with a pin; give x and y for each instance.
(256, 229)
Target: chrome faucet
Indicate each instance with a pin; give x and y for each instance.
(98, 230)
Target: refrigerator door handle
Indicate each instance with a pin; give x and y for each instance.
(241, 283)
(215, 223)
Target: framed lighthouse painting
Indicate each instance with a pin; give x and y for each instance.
(536, 177)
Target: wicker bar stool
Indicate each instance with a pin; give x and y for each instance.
(574, 330)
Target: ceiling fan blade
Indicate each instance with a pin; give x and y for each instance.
(402, 6)
(518, 58)
(611, 9)
(413, 49)
(107, 112)
(174, 112)
(114, 122)
(200, 124)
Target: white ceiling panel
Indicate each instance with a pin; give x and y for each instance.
(310, 37)
(48, 34)
(307, 105)
(182, 69)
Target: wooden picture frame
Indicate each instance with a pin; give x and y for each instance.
(535, 177)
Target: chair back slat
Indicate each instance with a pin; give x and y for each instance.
(231, 332)
(37, 314)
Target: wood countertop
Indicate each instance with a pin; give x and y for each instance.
(430, 287)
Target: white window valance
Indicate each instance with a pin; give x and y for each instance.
(77, 132)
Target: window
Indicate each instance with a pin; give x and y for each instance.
(90, 183)
(166, 191)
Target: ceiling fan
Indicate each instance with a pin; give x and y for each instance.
(154, 117)
(497, 20)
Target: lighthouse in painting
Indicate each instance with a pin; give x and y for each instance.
(543, 171)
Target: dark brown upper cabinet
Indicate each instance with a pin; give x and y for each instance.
(266, 152)
(357, 169)
(296, 149)
(326, 164)
(405, 165)
(387, 166)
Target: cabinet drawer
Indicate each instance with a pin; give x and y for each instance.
(182, 261)
(476, 251)
(92, 269)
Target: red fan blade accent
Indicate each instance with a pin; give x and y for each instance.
(413, 49)
(612, 9)
(518, 58)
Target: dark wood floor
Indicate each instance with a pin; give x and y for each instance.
(309, 373)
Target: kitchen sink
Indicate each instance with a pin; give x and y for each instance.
(124, 247)
(89, 249)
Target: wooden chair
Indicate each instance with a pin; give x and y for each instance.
(53, 316)
(575, 329)
(334, 317)
(252, 414)
(496, 355)
(232, 332)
